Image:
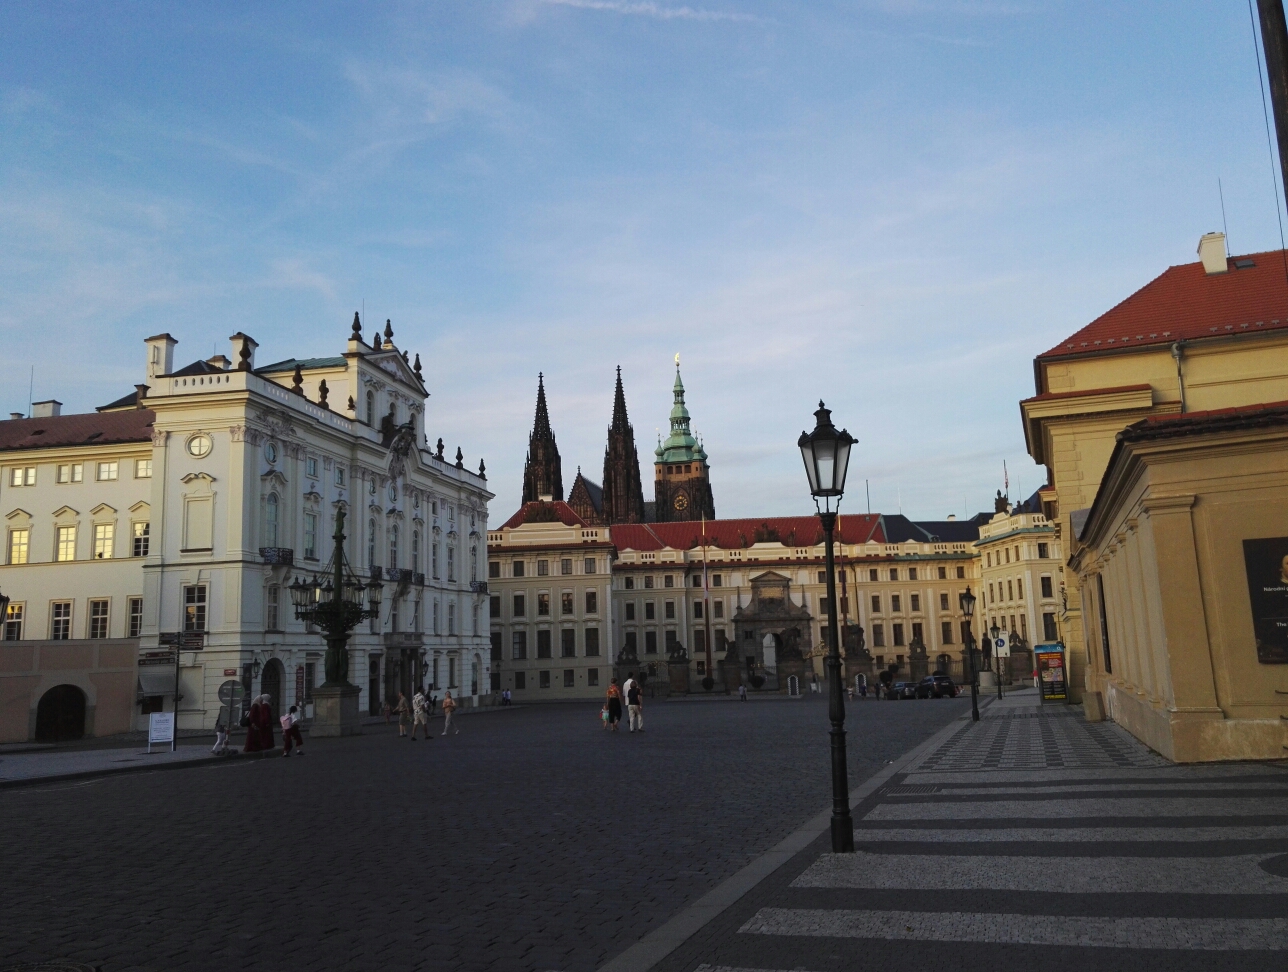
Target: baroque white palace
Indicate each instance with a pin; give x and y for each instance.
(182, 512)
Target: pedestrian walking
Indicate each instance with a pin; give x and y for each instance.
(420, 715)
(404, 715)
(614, 698)
(291, 732)
(449, 706)
(635, 705)
(388, 709)
(254, 741)
(221, 739)
(266, 740)
(626, 685)
(742, 693)
(863, 686)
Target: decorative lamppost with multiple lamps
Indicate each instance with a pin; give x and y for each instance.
(827, 457)
(334, 601)
(968, 610)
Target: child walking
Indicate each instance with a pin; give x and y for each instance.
(291, 731)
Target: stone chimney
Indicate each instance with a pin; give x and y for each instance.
(160, 355)
(16, 415)
(46, 409)
(219, 361)
(1212, 253)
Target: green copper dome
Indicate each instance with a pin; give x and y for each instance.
(680, 445)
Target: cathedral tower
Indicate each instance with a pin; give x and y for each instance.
(542, 472)
(681, 476)
(623, 500)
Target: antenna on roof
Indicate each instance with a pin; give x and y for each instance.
(1224, 228)
(869, 495)
(31, 388)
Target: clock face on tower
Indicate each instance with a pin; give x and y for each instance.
(681, 502)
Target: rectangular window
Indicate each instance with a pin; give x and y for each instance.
(943, 601)
(876, 603)
(194, 608)
(98, 617)
(650, 612)
(140, 540)
(311, 537)
(668, 580)
(22, 476)
(565, 566)
(13, 622)
(104, 534)
(543, 644)
(961, 573)
(339, 475)
(520, 608)
(66, 549)
(914, 602)
(1044, 551)
(496, 646)
(670, 610)
(493, 568)
(568, 643)
(495, 680)
(916, 632)
(60, 620)
(592, 602)
(516, 568)
(520, 680)
(543, 568)
(142, 468)
(717, 609)
(136, 616)
(894, 573)
(824, 607)
(822, 577)
(310, 679)
(671, 642)
(896, 604)
(543, 605)
(589, 565)
(107, 472)
(543, 679)
(943, 573)
(912, 573)
(697, 610)
(716, 580)
(630, 610)
(570, 676)
(1046, 587)
(19, 541)
(650, 642)
(630, 583)
(946, 632)
(878, 636)
(494, 606)
(451, 618)
(451, 563)
(75, 472)
(872, 575)
(991, 598)
(898, 633)
(592, 677)
(272, 605)
(1019, 589)
(311, 467)
(632, 646)
(1010, 591)
(519, 645)
(1049, 632)
(648, 582)
(592, 642)
(565, 602)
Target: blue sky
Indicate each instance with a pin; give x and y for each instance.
(892, 205)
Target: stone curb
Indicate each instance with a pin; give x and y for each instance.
(114, 770)
(661, 942)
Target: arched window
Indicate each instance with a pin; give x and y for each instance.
(371, 408)
(270, 521)
(474, 564)
(415, 551)
(371, 543)
(393, 547)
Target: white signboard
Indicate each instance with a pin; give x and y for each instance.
(1003, 648)
(160, 728)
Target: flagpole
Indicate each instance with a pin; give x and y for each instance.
(706, 600)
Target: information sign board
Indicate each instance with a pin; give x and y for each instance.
(1051, 672)
(160, 728)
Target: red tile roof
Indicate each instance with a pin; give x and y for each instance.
(1185, 304)
(93, 428)
(563, 512)
(803, 531)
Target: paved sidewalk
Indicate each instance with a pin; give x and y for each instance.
(1030, 840)
(57, 764)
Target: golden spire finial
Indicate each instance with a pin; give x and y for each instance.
(677, 359)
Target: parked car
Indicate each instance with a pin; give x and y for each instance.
(936, 687)
(903, 690)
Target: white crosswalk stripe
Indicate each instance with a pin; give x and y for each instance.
(1224, 934)
(1125, 807)
(1068, 834)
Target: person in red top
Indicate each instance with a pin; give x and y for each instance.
(614, 705)
(253, 744)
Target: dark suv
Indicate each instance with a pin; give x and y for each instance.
(936, 687)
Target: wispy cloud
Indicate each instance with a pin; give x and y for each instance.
(657, 11)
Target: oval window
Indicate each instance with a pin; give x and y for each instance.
(200, 445)
(270, 452)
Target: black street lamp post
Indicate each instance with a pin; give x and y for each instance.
(827, 457)
(968, 610)
(996, 632)
(334, 602)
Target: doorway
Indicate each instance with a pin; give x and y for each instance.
(271, 685)
(60, 715)
(373, 687)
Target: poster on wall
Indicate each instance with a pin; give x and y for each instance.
(1266, 561)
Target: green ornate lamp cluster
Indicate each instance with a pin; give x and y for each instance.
(337, 602)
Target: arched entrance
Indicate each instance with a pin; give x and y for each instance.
(60, 715)
(271, 685)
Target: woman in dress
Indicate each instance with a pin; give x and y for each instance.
(404, 715)
(266, 741)
(614, 705)
(252, 727)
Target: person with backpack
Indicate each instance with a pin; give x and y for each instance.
(291, 732)
(420, 712)
(635, 705)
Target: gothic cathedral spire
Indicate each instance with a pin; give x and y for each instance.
(623, 500)
(542, 471)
